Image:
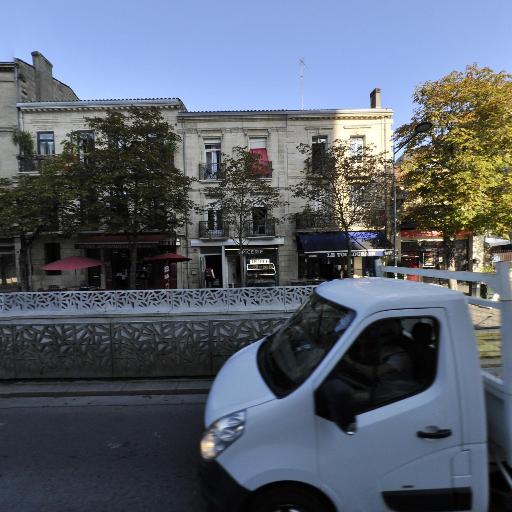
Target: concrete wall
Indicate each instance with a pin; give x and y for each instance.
(126, 346)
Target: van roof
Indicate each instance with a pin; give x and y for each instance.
(377, 294)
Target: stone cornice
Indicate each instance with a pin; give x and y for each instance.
(73, 106)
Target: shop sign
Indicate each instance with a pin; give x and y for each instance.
(369, 252)
(252, 251)
(260, 261)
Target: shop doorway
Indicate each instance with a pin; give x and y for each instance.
(212, 274)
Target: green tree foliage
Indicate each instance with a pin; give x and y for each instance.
(30, 205)
(238, 192)
(126, 181)
(345, 189)
(458, 175)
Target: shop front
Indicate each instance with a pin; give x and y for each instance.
(324, 256)
(220, 264)
(113, 250)
(260, 265)
(426, 249)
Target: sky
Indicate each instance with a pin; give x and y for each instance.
(236, 55)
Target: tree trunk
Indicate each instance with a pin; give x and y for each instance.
(23, 263)
(243, 277)
(350, 272)
(132, 280)
(449, 257)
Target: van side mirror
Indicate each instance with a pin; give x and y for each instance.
(333, 401)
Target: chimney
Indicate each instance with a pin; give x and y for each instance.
(43, 77)
(375, 99)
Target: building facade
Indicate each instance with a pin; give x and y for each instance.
(287, 251)
(21, 82)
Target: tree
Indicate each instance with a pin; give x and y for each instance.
(29, 205)
(126, 182)
(458, 175)
(239, 191)
(348, 188)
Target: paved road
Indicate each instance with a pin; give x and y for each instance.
(98, 454)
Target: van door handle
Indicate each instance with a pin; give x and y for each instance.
(439, 433)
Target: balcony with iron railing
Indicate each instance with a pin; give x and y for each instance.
(263, 170)
(210, 172)
(260, 228)
(31, 163)
(254, 229)
(213, 171)
(208, 229)
(315, 222)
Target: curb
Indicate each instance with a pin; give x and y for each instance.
(171, 388)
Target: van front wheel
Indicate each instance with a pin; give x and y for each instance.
(288, 499)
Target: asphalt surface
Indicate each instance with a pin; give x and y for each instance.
(100, 453)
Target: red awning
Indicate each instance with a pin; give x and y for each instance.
(72, 263)
(168, 256)
(118, 240)
(263, 167)
(262, 153)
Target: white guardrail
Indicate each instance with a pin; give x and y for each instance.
(205, 300)
(501, 282)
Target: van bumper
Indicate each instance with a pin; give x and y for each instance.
(219, 488)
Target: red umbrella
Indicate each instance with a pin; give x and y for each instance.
(169, 256)
(72, 263)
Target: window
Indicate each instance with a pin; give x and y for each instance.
(318, 151)
(258, 147)
(391, 359)
(45, 143)
(259, 221)
(356, 148)
(52, 253)
(85, 143)
(214, 219)
(213, 160)
(289, 356)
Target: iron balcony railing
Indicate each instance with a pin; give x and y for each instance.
(211, 171)
(261, 228)
(315, 222)
(213, 230)
(263, 169)
(222, 230)
(30, 163)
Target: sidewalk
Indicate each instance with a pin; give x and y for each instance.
(122, 387)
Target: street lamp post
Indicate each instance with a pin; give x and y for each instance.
(419, 128)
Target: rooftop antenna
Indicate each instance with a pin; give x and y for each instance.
(302, 65)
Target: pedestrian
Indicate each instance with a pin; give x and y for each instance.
(209, 277)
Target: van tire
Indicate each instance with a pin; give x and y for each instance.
(288, 498)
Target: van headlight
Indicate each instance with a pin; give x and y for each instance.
(221, 434)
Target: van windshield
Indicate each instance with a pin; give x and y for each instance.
(289, 356)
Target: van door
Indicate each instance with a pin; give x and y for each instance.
(399, 453)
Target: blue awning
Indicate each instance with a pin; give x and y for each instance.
(362, 243)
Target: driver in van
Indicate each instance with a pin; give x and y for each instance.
(380, 351)
(380, 363)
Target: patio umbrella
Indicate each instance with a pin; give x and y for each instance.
(168, 256)
(72, 263)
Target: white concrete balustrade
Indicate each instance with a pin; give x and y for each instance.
(140, 302)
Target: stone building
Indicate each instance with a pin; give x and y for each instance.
(21, 82)
(296, 250)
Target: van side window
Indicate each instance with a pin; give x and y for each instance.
(391, 359)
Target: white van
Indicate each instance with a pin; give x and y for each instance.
(368, 399)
